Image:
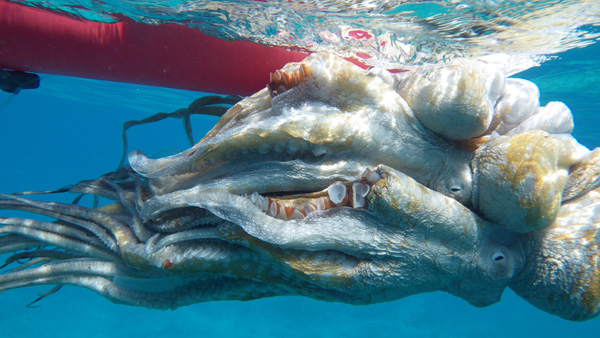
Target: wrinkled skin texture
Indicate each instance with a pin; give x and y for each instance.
(339, 184)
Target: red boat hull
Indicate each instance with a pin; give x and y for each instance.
(166, 55)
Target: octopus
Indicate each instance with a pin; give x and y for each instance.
(344, 185)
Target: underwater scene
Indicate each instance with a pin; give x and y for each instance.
(269, 228)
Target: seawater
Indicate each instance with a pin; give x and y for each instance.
(70, 129)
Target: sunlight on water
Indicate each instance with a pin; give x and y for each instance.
(383, 33)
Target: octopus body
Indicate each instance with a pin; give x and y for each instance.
(341, 184)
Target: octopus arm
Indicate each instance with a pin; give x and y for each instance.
(562, 274)
(525, 174)
(584, 176)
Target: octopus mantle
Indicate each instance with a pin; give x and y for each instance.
(341, 184)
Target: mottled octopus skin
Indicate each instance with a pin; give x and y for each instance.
(466, 110)
(338, 184)
(340, 113)
(526, 174)
(562, 272)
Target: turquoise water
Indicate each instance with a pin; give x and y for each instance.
(69, 130)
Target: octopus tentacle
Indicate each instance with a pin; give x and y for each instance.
(71, 267)
(206, 105)
(59, 229)
(194, 218)
(81, 245)
(40, 253)
(562, 274)
(101, 233)
(129, 202)
(209, 289)
(123, 178)
(31, 263)
(320, 274)
(584, 176)
(139, 190)
(116, 227)
(188, 235)
(94, 188)
(13, 243)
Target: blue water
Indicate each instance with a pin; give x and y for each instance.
(69, 130)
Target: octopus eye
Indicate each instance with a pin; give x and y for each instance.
(499, 263)
(454, 185)
(498, 256)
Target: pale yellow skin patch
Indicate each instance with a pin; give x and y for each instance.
(519, 179)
